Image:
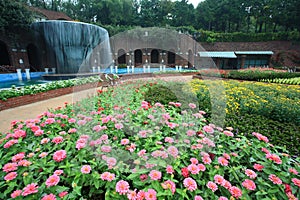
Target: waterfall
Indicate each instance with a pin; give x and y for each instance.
(70, 44)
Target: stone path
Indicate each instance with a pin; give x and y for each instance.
(31, 111)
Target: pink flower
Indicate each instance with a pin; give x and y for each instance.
(150, 194)
(211, 185)
(190, 133)
(206, 160)
(192, 105)
(169, 185)
(172, 125)
(265, 150)
(226, 184)
(155, 175)
(194, 160)
(235, 192)
(208, 129)
(124, 141)
(24, 163)
(52, 180)
(223, 161)
(58, 140)
(249, 184)
(201, 167)
(38, 132)
(45, 140)
(58, 172)
(261, 137)
(16, 193)
(111, 161)
(173, 151)
(30, 189)
(43, 154)
(190, 184)
(228, 133)
(10, 176)
(219, 179)
(275, 179)
(143, 177)
(185, 172)
(119, 126)
(194, 169)
(226, 156)
(122, 187)
(60, 155)
(10, 143)
(169, 169)
(86, 169)
(106, 149)
(10, 167)
(293, 171)
(274, 158)
(141, 195)
(250, 173)
(223, 198)
(18, 157)
(49, 197)
(72, 130)
(258, 167)
(107, 176)
(50, 121)
(131, 195)
(296, 181)
(197, 197)
(62, 194)
(19, 133)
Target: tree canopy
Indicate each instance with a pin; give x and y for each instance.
(227, 16)
(14, 14)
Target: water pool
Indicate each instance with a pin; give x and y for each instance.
(17, 83)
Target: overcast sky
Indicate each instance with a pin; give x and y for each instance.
(195, 2)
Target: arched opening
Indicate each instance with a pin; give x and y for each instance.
(138, 57)
(4, 58)
(34, 57)
(154, 56)
(190, 59)
(121, 57)
(171, 58)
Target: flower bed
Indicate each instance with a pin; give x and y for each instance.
(250, 74)
(118, 146)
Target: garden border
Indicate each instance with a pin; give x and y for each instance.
(28, 99)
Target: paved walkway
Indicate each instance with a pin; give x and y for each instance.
(31, 111)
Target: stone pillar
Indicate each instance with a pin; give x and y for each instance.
(243, 58)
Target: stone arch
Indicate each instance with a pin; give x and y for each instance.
(190, 58)
(4, 58)
(171, 57)
(138, 57)
(154, 56)
(121, 56)
(34, 57)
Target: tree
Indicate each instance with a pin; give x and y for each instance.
(14, 15)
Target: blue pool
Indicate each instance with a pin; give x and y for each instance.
(8, 80)
(17, 83)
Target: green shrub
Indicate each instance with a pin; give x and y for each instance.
(280, 133)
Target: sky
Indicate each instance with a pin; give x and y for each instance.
(195, 2)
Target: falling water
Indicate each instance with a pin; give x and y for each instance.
(70, 44)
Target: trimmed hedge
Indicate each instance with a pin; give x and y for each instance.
(279, 133)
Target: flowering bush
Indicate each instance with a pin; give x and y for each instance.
(118, 146)
(33, 89)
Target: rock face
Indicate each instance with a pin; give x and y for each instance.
(69, 45)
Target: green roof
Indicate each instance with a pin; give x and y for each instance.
(218, 54)
(254, 52)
